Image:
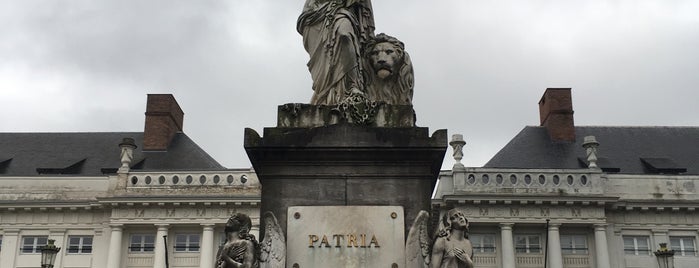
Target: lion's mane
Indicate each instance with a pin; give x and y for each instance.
(397, 88)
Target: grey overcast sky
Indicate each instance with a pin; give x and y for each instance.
(480, 66)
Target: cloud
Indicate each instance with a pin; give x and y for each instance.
(480, 66)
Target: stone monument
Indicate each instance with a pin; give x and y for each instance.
(347, 179)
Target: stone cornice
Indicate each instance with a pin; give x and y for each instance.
(533, 214)
(587, 200)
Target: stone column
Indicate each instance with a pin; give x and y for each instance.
(601, 250)
(114, 255)
(508, 246)
(159, 252)
(206, 259)
(9, 248)
(554, 246)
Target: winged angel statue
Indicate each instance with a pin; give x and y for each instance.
(450, 249)
(273, 248)
(242, 250)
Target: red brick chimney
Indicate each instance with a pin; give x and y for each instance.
(163, 120)
(556, 114)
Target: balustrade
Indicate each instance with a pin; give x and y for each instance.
(521, 181)
(173, 179)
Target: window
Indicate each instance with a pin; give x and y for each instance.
(142, 243)
(187, 243)
(527, 244)
(483, 243)
(574, 244)
(79, 244)
(683, 245)
(33, 244)
(636, 245)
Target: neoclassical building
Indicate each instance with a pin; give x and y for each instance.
(580, 196)
(571, 196)
(114, 199)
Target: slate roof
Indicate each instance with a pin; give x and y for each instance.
(93, 154)
(627, 150)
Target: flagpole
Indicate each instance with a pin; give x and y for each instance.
(167, 264)
(546, 250)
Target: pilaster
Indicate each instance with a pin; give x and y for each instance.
(59, 236)
(9, 248)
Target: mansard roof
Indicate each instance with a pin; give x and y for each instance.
(93, 154)
(624, 150)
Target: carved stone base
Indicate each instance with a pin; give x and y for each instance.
(297, 115)
(345, 165)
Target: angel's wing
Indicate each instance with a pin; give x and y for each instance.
(273, 245)
(417, 246)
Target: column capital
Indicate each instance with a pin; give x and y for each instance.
(162, 226)
(116, 226)
(600, 226)
(554, 225)
(507, 226)
(208, 226)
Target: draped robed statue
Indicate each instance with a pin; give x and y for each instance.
(334, 35)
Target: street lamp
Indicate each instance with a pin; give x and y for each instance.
(666, 258)
(48, 254)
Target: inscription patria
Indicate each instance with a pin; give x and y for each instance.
(352, 241)
(345, 236)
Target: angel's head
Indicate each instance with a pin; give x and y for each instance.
(239, 223)
(455, 220)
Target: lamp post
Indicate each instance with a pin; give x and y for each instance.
(666, 257)
(48, 254)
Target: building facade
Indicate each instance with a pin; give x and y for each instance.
(555, 196)
(118, 199)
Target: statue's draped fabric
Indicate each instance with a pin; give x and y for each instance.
(334, 34)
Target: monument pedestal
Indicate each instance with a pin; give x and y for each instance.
(346, 165)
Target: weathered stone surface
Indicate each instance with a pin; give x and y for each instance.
(297, 115)
(390, 76)
(346, 59)
(345, 236)
(334, 34)
(345, 165)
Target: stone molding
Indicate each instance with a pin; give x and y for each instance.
(218, 214)
(585, 214)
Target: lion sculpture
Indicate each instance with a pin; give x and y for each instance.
(389, 77)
